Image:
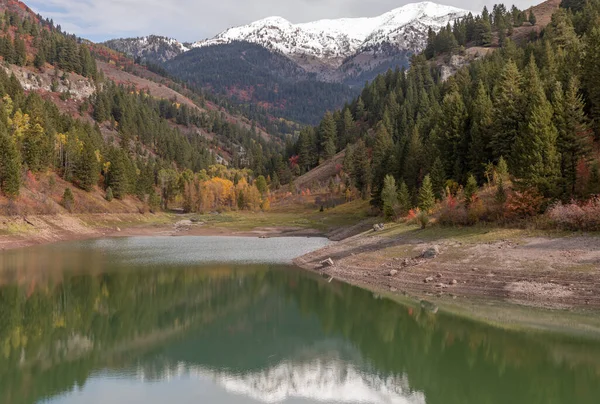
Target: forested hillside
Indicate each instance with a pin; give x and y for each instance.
(523, 121)
(254, 76)
(119, 141)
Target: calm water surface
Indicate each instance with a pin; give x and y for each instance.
(213, 320)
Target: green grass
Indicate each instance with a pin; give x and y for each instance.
(298, 216)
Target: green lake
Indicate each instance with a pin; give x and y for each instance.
(215, 320)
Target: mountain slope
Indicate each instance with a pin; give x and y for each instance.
(253, 76)
(296, 59)
(151, 49)
(405, 28)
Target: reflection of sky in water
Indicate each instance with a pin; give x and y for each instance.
(189, 250)
(322, 381)
(144, 251)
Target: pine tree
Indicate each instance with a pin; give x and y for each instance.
(452, 127)
(591, 76)
(426, 196)
(10, 165)
(534, 155)
(34, 147)
(470, 190)
(68, 200)
(404, 199)
(328, 136)
(481, 122)
(438, 178)
(346, 130)
(20, 52)
(573, 132)
(361, 170)
(389, 195)
(500, 195)
(109, 194)
(117, 175)
(507, 110)
(532, 19)
(593, 187)
(87, 167)
(382, 151)
(414, 159)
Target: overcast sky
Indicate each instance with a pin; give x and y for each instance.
(192, 20)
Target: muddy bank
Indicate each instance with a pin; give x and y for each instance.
(558, 273)
(21, 232)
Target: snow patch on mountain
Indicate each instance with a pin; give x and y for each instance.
(405, 28)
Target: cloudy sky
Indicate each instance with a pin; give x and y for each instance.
(192, 20)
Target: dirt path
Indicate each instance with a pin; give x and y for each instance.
(535, 271)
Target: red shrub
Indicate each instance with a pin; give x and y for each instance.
(521, 205)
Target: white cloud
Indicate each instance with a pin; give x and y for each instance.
(190, 20)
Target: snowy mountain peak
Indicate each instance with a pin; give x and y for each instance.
(404, 28)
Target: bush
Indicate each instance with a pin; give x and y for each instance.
(68, 200)
(423, 219)
(575, 216)
(109, 194)
(524, 204)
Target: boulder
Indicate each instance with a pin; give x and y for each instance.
(428, 279)
(393, 272)
(327, 263)
(431, 252)
(378, 227)
(454, 282)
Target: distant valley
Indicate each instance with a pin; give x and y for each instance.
(296, 71)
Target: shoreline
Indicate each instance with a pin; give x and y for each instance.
(497, 265)
(503, 265)
(23, 232)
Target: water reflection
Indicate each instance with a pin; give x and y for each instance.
(121, 332)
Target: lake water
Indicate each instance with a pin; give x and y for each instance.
(213, 320)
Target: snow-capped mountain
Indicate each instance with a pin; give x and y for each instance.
(153, 48)
(404, 28)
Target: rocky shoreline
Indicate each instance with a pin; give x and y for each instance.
(556, 273)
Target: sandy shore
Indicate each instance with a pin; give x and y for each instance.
(558, 273)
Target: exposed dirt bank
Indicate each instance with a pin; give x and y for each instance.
(509, 265)
(26, 231)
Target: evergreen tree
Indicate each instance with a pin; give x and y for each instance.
(261, 185)
(10, 165)
(591, 76)
(532, 19)
(438, 178)
(470, 190)
(34, 147)
(382, 150)
(452, 126)
(534, 155)
(361, 170)
(117, 175)
(68, 200)
(389, 195)
(507, 111)
(481, 122)
(593, 187)
(328, 136)
(109, 194)
(20, 57)
(500, 195)
(87, 167)
(404, 199)
(573, 132)
(426, 195)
